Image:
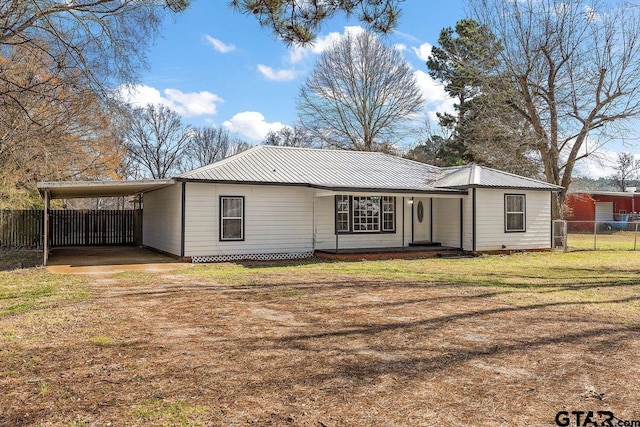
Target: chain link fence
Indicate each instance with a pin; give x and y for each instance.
(595, 235)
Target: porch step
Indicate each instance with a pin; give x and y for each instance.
(425, 243)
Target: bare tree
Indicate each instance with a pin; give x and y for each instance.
(289, 137)
(627, 168)
(93, 43)
(359, 96)
(296, 21)
(156, 140)
(575, 70)
(208, 145)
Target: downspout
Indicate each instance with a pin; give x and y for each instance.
(183, 218)
(313, 224)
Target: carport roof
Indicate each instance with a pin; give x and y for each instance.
(83, 189)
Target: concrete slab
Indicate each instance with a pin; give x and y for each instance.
(109, 259)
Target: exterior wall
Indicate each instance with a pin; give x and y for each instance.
(467, 217)
(490, 226)
(277, 219)
(325, 236)
(161, 219)
(446, 222)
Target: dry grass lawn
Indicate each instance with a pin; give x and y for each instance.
(488, 341)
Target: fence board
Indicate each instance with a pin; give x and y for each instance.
(20, 228)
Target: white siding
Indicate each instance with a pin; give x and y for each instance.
(467, 218)
(490, 229)
(446, 222)
(278, 219)
(325, 228)
(161, 219)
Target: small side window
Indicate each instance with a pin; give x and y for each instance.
(514, 213)
(231, 218)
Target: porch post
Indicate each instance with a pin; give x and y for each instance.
(461, 223)
(403, 210)
(413, 220)
(45, 213)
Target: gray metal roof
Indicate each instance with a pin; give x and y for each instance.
(337, 169)
(480, 176)
(331, 169)
(80, 189)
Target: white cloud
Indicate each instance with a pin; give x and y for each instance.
(600, 164)
(400, 47)
(251, 124)
(321, 44)
(437, 99)
(219, 45)
(423, 51)
(432, 91)
(187, 104)
(277, 75)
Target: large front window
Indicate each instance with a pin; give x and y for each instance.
(365, 214)
(514, 212)
(231, 218)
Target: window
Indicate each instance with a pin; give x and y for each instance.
(342, 214)
(388, 213)
(231, 218)
(514, 212)
(365, 214)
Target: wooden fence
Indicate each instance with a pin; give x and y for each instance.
(21, 228)
(71, 227)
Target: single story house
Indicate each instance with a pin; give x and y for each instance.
(279, 202)
(283, 203)
(586, 208)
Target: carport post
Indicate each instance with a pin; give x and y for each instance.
(45, 214)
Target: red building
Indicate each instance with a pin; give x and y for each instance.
(583, 209)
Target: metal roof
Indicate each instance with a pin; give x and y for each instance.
(480, 176)
(338, 169)
(606, 193)
(329, 169)
(82, 189)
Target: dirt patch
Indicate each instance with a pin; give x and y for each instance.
(305, 353)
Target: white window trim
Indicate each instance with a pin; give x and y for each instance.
(223, 218)
(523, 213)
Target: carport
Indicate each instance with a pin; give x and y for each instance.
(90, 189)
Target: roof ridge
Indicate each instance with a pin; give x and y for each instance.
(224, 161)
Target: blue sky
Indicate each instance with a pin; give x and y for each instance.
(219, 68)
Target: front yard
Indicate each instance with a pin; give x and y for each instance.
(496, 340)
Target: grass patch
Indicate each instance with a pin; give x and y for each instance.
(25, 290)
(610, 241)
(160, 413)
(606, 280)
(518, 271)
